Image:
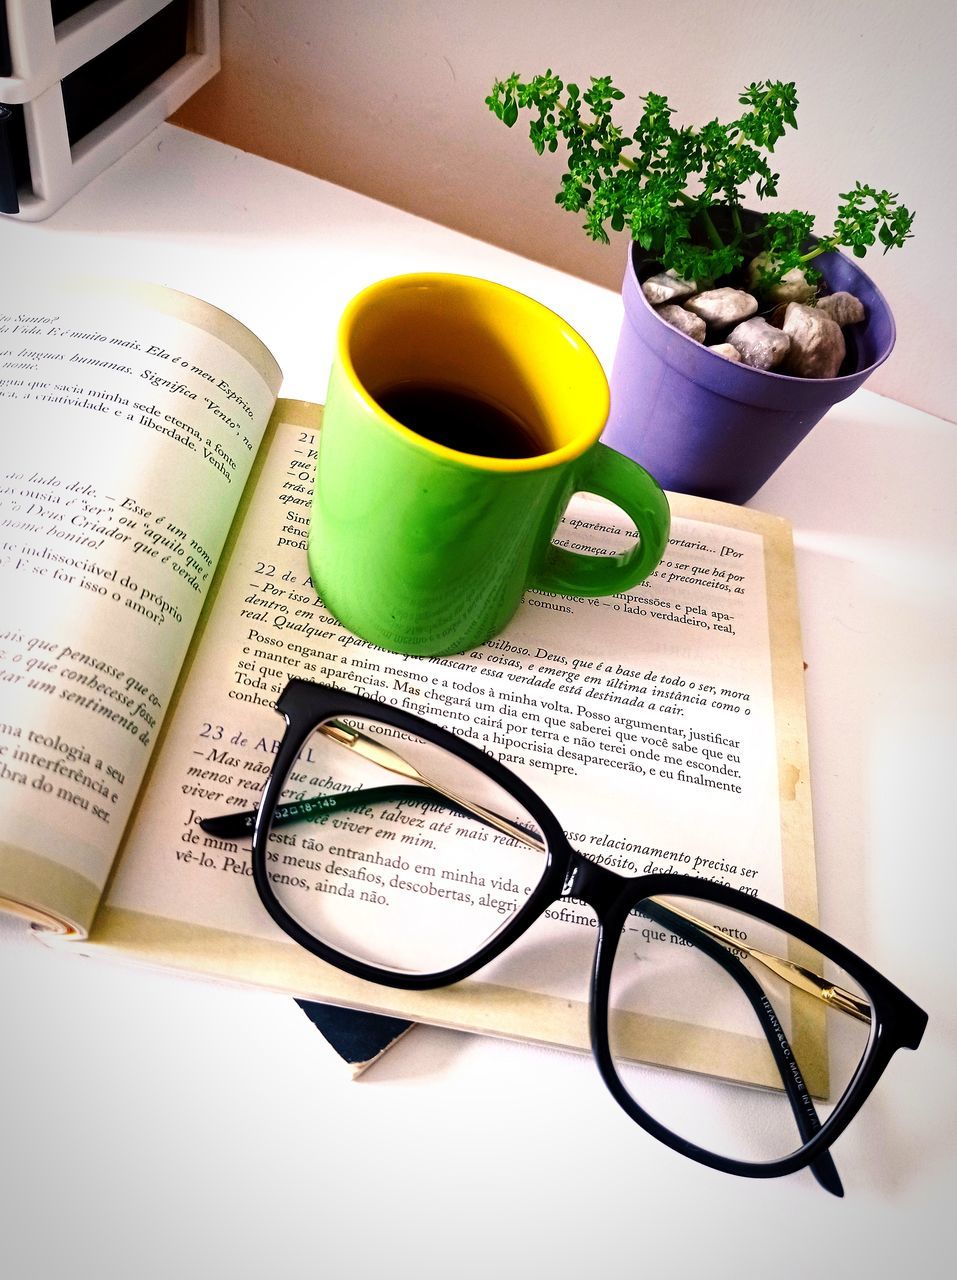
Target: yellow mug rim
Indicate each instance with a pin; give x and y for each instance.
(574, 448)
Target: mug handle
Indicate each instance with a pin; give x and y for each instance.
(604, 471)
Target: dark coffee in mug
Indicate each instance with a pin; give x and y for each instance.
(460, 420)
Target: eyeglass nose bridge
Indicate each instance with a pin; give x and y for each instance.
(590, 882)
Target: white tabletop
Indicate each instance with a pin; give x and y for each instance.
(155, 1126)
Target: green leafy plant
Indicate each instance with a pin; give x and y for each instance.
(678, 190)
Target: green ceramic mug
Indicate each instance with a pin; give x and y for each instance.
(461, 417)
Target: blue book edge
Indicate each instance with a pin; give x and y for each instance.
(359, 1038)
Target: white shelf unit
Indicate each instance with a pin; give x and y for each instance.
(64, 74)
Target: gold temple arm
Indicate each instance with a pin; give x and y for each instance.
(795, 974)
(378, 753)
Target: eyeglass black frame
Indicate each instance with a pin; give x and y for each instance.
(896, 1021)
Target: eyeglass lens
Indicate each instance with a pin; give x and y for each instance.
(397, 852)
(699, 986)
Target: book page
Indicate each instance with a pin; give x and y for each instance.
(130, 419)
(664, 727)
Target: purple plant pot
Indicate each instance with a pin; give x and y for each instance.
(704, 425)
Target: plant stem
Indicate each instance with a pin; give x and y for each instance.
(823, 246)
(711, 231)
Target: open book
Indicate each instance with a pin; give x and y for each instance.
(154, 512)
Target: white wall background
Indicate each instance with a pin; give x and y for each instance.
(388, 99)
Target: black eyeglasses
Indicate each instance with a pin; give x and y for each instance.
(405, 855)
